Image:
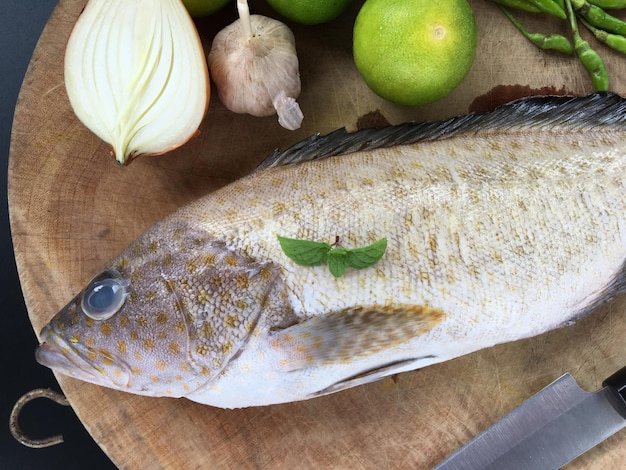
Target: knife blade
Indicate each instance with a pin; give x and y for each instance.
(548, 430)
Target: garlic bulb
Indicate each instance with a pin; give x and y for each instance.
(136, 75)
(254, 64)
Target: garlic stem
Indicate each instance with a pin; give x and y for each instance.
(244, 17)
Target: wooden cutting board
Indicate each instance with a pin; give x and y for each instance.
(72, 209)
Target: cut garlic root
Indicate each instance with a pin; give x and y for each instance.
(136, 75)
(289, 113)
(254, 64)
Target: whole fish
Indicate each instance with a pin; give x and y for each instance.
(499, 226)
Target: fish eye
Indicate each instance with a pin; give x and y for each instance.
(105, 295)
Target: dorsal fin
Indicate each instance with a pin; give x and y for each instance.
(586, 112)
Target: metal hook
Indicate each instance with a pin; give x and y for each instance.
(14, 426)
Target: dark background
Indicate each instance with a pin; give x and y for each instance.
(21, 23)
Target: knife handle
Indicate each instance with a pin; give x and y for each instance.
(617, 383)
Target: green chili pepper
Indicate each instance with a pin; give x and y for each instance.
(555, 42)
(550, 7)
(599, 18)
(590, 59)
(593, 63)
(519, 5)
(614, 41)
(609, 4)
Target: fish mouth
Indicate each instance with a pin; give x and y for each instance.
(67, 359)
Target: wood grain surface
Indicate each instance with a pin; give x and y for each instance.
(72, 209)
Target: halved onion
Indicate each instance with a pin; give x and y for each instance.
(136, 75)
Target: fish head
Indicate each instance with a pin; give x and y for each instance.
(163, 319)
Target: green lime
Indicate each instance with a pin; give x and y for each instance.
(199, 8)
(414, 52)
(310, 11)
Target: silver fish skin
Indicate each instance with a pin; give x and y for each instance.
(499, 226)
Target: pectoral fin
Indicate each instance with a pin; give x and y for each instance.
(352, 333)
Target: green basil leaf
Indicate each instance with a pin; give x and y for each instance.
(337, 263)
(305, 252)
(366, 256)
(311, 253)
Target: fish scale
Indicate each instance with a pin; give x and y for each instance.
(442, 202)
(499, 226)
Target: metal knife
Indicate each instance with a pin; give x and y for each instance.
(548, 430)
